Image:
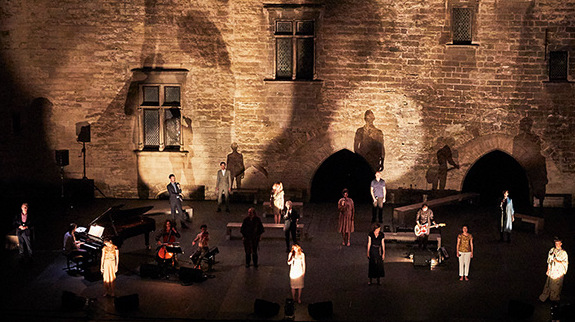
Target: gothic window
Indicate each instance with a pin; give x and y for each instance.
(294, 49)
(558, 66)
(160, 117)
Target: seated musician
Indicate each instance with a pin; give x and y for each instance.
(167, 237)
(202, 239)
(71, 245)
(424, 217)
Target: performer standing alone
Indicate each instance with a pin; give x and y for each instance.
(277, 201)
(296, 261)
(464, 252)
(557, 264)
(175, 192)
(507, 216)
(376, 253)
(109, 266)
(291, 217)
(252, 230)
(223, 186)
(378, 192)
(346, 217)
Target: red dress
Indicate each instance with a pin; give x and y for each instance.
(346, 215)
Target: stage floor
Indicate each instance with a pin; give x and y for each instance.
(500, 272)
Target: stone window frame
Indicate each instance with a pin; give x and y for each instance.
(463, 4)
(159, 78)
(550, 66)
(292, 13)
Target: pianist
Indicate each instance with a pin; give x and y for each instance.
(71, 245)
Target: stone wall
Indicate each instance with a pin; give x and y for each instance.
(393, 58)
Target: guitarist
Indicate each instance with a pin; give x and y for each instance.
(424, 218)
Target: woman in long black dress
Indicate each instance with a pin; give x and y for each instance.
(376, 253)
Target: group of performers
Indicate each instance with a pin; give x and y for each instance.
(252, 229)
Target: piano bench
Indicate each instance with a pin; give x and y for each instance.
(75, 262)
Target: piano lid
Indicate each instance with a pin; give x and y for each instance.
(114, 217)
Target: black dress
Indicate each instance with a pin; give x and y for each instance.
(375, 261)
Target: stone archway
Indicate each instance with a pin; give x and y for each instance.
(494, 172)
(343, 169)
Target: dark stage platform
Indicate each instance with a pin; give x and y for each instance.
(502, 275)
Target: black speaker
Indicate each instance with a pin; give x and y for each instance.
(84, 134)
(150, 271)
(289, 308)
(190, 275)
(62, 158)
(320, 310)
(72, 302)
(519, 310)
(127, 303)
(265, 308)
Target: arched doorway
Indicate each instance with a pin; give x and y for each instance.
(343, 169)
(493, 173)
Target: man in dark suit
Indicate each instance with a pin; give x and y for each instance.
(175, 192)
(223, 186)
(291, 218)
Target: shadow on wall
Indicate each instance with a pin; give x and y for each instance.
(436, 175)
(527, 151)
(311, 106)
(200, 40)
(369, 143)
(28, 165)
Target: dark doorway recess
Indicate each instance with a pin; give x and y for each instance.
(343, 169)
(495, 172)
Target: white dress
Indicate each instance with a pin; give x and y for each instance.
(297, 271)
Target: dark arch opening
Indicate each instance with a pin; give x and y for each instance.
(343, 169)
(495, 172)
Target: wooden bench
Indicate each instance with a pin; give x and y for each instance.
(298, 205)
(537, 221)
(400, 213)
(558, 200)
(167, 211)
(233, 225)
(11, 242)
(410, 237)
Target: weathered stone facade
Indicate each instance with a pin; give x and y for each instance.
(66, 62)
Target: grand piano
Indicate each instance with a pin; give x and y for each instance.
(119, 224)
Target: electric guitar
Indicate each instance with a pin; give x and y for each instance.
(421, 230)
